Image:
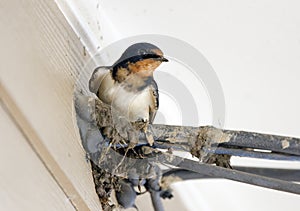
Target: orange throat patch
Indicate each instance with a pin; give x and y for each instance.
(144, 68)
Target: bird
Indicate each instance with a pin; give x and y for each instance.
(128, 86)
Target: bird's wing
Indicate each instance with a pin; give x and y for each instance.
(97, 77)
(155, 101)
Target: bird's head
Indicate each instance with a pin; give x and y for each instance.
(140, 59)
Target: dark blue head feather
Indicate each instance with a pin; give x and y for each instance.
(135, 53)
(138, 49)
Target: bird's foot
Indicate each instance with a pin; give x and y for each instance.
(140, 124)
(149, 138)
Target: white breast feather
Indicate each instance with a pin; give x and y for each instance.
(131, 105)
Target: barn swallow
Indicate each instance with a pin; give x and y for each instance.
(129, 87)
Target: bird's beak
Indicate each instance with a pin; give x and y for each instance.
(163, 59)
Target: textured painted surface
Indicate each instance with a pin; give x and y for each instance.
(25, 182)
(41, 57)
